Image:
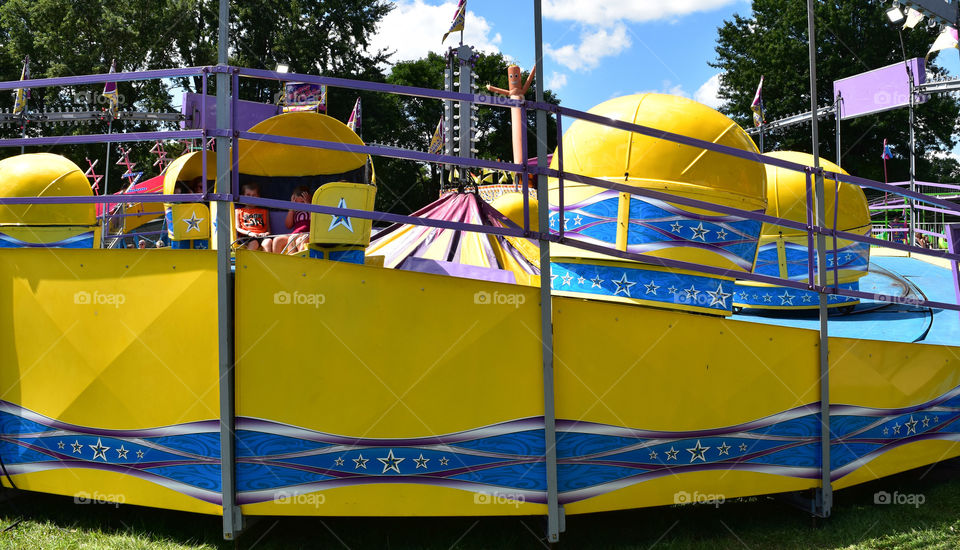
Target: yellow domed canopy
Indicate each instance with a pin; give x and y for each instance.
(262, 158)
(44, 175)
(511, 206)
(189, 167)
(787, 196)
(617, 155)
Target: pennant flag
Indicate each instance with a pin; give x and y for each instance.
(354, 121)
(913, 17)
(436, 143)
(946, 40)
(886, 151)
(22, 94)
(110, 92)
(757, 106)
(458, 20)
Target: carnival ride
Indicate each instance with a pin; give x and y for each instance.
(422, 372)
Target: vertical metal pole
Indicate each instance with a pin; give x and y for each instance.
(554, 512)
(524, 150)
(837, 102)
(232, 519)
(761, 137)
(824, 497)
(106, 182)
(911, 240)
(203, 131)
(448, 117)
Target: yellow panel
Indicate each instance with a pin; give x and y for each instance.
(103, 338)
(263, 158)
(44, 175)
(901, 459)
(190, 221)
(330, 229)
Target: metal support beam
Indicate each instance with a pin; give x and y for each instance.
(554, 511)
(824, 496)
(232, 519)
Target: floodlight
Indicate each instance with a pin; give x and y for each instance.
(895, 15)
(283, 68)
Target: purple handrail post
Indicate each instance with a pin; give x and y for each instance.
(203, 129)
(836, 209)
(526, 182)
(234, 133)
(810, 250)
(953, 246)
(563, 217)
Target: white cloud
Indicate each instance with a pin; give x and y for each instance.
(414, 28)
(594, 45)
(637, 11)
(708, 92)
(556, 81)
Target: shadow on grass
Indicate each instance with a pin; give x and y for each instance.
(927, 516)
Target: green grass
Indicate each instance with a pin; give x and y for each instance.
(34, 521)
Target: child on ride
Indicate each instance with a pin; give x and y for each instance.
(253, 222)
(298, 222)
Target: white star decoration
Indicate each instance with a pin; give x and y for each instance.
(99, 450)
(718, 297)
(896, 428)
(721, 235)
(59, 444)
(806, 298)
(691, 292)
(926, 422)
(786, 299)
(672, 289)
(596, 282)
(360, 462)
(341, 220)
(743, 447)
(338, 461)
(675, 227)
(121, 453)
(391, 462)
(581, 280)
(724, 449)
(623, 285)
(444, 460)
(193, 222)
(139, 454)
(699, 232)
(421, 462)
(698, 452)
(767, 298)
(652, 288)
(672, 454)
(577, 221)
(911, 426)
(566, 279)
(653, 455)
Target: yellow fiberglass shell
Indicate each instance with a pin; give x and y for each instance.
(263, 158)
(44, 175)
(511, 206)
(652, 163)
(188, 167)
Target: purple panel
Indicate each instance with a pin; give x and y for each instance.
(879, 90)
(953, 247)
(453, 269)
(248, 115)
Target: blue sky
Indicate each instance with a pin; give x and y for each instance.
(595, 49)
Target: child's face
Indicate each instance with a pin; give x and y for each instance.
(300, 197)
(251, 192)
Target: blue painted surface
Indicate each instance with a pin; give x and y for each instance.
(876, 320)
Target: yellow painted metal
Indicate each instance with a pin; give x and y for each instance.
(262, 158)
(190, 221)
(623, 221)
(188, 167)
(392, 354)
(511, 206)
(330, 229)
(44, 175)
(41, 234)
(119, 339)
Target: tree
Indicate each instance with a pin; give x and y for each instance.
(853, 36)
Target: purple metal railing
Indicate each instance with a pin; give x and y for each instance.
(544, 234)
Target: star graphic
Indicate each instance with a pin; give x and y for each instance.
(444, 460)
(767, 298)
(581, 280)
(786, 299)
(653, 455)
(756, 296)
(936, 419)
(743, 447)
(360, 462)
(896, 428)
(577, 221)
(911, 426)
(806, 298)
(553, 278)
(59, 444)
(193, 222)
(672, 453)
(718, 297)
(926, 421)
(391, 463)
(886, 431)
(566, 279)
(699, 232)
(338, 461)
(341, 220)
(139, 454)
(722, 235)
(596, 282)
(121, 453)
(672, 289)
(691, 292)
(652, 288)
(421, 462)
(99, 450)
(675, 227)
(724, 449)
(623, 285)
(698, 452)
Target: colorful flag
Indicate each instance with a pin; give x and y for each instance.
(913, 17)
(886, 151)
(757, 106)
(458, 20)
(946, 40)
(355, 118)
(436, 143)
(110, 92)
(22, 94)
